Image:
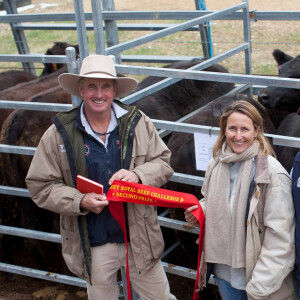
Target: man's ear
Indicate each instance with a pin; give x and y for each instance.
(80, 89)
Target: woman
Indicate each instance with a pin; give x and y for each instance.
(249, 231)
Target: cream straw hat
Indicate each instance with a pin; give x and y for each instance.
(97, 66)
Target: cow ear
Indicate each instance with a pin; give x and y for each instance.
(281, 57)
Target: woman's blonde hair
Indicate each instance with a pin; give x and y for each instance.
(250, 111)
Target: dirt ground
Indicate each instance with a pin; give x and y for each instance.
(14, 287)
(17, 287)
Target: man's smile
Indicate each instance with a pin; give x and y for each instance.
(98, 101)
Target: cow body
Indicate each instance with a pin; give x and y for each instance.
(13, 77)
(282, 105)
(283, 99)
(182, 97)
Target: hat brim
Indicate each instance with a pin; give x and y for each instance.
(69, 82)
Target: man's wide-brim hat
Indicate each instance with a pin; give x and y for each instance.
(98, 67)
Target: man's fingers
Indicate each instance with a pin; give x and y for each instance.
(124, 175)
(103, 203)
(94, 202)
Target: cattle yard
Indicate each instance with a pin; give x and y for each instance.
(144, 65)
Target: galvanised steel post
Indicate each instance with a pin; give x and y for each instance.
(247, 39)
(73, 67)
(98, 27)
(111, 29)
(204, 34)
(19, 36)
(81, 29)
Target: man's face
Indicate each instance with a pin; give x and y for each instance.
(98, 94)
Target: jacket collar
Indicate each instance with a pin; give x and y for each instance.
(261, 170)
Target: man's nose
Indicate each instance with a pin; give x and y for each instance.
(99, 93)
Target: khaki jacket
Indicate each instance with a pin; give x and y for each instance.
(270, 242)
(270, 235)
(51, 181)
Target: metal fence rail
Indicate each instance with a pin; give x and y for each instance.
(56, 238)
(191, 20)
(149, 15)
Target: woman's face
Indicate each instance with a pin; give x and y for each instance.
(240, 132)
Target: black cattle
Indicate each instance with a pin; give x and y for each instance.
(59, 48)
(283, 99)
(12, 77)
(182, 144)
(26, 90)
(282, 105)
(290, 126)
(25, 128)
(183, 97)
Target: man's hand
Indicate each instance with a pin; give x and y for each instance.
(93, 202)
(189, 217)
(124, 175)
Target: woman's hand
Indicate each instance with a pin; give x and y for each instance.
(189, 217)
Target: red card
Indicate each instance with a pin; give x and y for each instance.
(85, 185)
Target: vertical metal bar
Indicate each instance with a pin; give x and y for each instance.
(204, 34)
(19, 36)
(124, 280)
(111, 28)
(98, 26)
(81, 29)
(247, 39)
(73, 67)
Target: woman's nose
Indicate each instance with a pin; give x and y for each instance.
(238, 135)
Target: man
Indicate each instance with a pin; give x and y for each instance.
(103, 140)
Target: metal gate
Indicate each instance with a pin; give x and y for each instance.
(245, 83)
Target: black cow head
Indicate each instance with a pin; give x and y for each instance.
(59, 48)
(283, 99)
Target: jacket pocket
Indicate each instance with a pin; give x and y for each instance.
(257, 232)
(64, 164)
(72, 251)
(154, 233)
(139, 160)
(138, 156)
